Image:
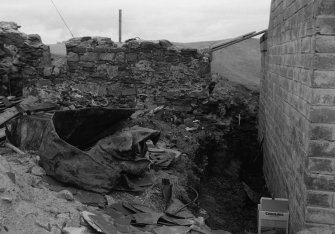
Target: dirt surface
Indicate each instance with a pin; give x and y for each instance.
(219, 156)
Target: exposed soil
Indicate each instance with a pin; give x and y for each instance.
(232, 160)
(221, 160)
(220, 157)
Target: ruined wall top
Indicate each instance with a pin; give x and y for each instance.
(22, 57)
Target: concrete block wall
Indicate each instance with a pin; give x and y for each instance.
(297, 109)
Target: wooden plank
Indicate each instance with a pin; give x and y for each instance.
(8, 114)
(2, 106)
(17, 150)
(45, 106)
(237, 40)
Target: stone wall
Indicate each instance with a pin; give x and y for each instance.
(134, 74)
(297, 109)
(22, 57)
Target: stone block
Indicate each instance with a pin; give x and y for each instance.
(324, 62)
(47, 71)
(323, 79)
(320, 182)
(56, 71)
(321, 148)
(107, 56)
(325, 24)
(322, 115)
(322, 132)
(320, 198)
(120, 57)
(326, 7)
(323, 97)
(87, 65)
(316, 229)
(112, 71)
(131, 57)
(320, 215)
(321, 165)
(325, 44)
(72, 57)
(89, 57)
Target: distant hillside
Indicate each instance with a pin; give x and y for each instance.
(58, 49)
(240, 63)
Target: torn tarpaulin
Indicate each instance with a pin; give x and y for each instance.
(62, 145)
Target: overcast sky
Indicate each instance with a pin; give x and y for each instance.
(175, 20)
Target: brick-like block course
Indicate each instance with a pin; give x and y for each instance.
(324, 62)
(322, 114)
(323, 97)
(298, 108)
(320, 215)
(318, 148)
(320, 199)
(324, 79)
(324, 166)
(322, 132)
(325, 24)
(325, 44)
(320, 182)
(326, 7)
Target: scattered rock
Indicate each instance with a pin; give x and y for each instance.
(47, 71)
(38, 171)
(4, 165)
(65, 194)
(7, 199)
(189, 123)
(91, 199)
(56, 71)
(5, 182)
(110, 200)
(43, 222)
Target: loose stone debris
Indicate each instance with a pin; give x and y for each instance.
(133, 139)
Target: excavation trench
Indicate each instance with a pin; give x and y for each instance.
(229, 164)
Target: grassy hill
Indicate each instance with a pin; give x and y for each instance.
(240, 63)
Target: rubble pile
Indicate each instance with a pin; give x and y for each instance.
(22, 58)
(137, 74)
(81, 135)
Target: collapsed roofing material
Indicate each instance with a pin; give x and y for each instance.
(74, 148)
(137, 218)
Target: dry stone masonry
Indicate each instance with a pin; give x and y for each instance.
(137, 73)
(297, 109)
(22, 57)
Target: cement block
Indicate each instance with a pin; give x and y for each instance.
(325, 44)
(320, 182)
(323, 79)
(322, 115)
(320, 215)
(321, 165)
(325, 24)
